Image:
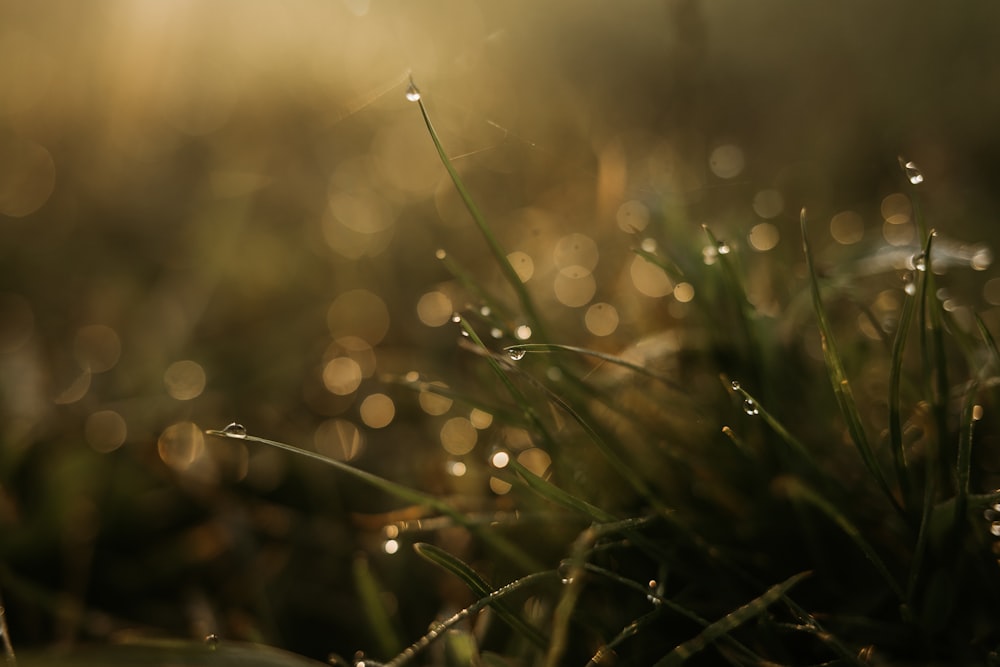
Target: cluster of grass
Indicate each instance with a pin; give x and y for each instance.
(733, 510)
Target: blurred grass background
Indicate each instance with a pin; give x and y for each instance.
(229, 211)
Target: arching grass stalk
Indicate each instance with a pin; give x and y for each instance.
(838, 377)
(481, 588)
(492, 598)
(404, 493)
(730, 622)
(491, 241)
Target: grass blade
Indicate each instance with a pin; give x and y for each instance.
(496, 250)
(492, 599)
(730, 622)
(399, 491)
(838, 377)
(481, 588)
(895, 417)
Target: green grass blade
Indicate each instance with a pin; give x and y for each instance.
(797, 490)
(481, 588)
(838, 377)
(554, 494)
(895, 417)
(796, 445)
(496, 250)
(493, 598)
(514, 350)
(376, 615)
(730, 622)
(963, 462)
(399, 491)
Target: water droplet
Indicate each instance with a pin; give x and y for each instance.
(912, 171)
(516, 353)
(235, 430)
(212, 641)
(496, 332)
(456, 318)
(723, 248)
(909, 283)
(412, 92)
(750, 407)
(485, 311)
(919, 261)
(523, 332)
(566, 581)
(465, 333)
(736, 385)
(995, 528)
(996, 507)
(441, 254)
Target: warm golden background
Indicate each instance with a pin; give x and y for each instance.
(217, 211)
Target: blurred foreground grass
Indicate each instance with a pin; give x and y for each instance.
(233, 213)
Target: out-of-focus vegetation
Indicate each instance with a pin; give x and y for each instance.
(229, 211)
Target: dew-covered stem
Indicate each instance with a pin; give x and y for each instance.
(527, 304)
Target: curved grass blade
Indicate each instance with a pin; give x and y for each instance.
(730, 622)
(439, 628)
(794, 443)
(895, 418)
(963, 463)
(400, 491)
(838, 377)
(510, 275)
(629, 631)
(481, 588)
(513, 350)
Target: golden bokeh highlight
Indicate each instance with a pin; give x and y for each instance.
(358, 313)
(433, 403)
(458, 436)
(896, 209)
(339, 439)
(601, 319)
(576, 250)
(435, 309)
(726, 161)
(574, 286)
(632, 216)
(898, 234)
(105, 431)
(377, 410)
(180, 445)
(763, 237)
(648, 278)
(847, 227)
(522, 264)
(342, 376)
(536, 460)
(684, 292)
(97, 348)
(357, 349)
(184, 380)
(499, 486)
(480, 418)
